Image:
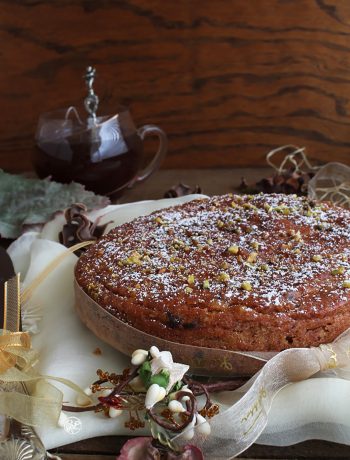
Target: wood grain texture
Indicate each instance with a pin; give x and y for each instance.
(320, 450)
(227, 79)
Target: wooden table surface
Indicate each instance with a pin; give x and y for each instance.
(212, 182)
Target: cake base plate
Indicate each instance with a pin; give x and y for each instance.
(125, 338)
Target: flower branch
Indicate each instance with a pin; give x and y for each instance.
(158, 391)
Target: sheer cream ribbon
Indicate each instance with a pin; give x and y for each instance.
(43, 404)
(235, 429)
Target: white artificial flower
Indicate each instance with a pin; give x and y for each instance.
(82, 400)
(202, 425)
(176, 406)
(154, 351)
(139, 357)
(164, 361)
(155, 393)
(114, 413)
(188, 432)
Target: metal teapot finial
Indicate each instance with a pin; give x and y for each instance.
(91, 101)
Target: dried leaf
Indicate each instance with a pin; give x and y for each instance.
(78, 227)
(143, 448)
(288, 182)
(182, 190)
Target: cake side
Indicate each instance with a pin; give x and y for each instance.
(263, 272)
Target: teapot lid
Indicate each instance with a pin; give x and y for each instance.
(91, 101)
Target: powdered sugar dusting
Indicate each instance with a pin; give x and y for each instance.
(260, 254)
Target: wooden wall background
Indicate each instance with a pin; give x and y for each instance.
(227, 79)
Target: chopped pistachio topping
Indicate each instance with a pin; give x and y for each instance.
(338, 271)
(210, 241)
(188, 290)
(220, 223)
(267, 207)
(159, 220)
(297, 236)
(264, 267)
(316, 258)
(283, 209)
(134, 258)
(246, 286)
(206, 284)
(255, 245)
(190, 279)
(249, 206)
(252, 257)
(346, 284)
(233, 249)
(224, 277)
(234, 204)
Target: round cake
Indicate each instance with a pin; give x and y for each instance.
(248, 273)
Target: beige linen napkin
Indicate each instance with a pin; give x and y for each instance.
(65, 345)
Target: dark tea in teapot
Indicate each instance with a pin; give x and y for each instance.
(103, 153)
(104, 166)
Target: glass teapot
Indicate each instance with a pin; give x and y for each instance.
(103, 153)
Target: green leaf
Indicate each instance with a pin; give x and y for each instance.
(177, 386)
(25, 202)
(162, 379)
(145, 374)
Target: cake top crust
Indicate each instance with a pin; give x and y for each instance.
(255, 254)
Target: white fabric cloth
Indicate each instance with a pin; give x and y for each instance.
(316, 408)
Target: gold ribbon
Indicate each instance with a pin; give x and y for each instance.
(10, 344)
(43, 404)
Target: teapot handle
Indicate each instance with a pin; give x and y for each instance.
(144, 131)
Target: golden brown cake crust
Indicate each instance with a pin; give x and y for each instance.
(264, 272)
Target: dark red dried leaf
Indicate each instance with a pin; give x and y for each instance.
(289, 182)
(143, 448)
(78, 227)
(182, 190)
